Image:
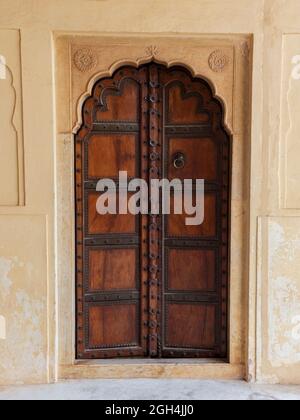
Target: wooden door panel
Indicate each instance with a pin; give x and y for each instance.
(176, 223)
(195, 282)
(120, 102)
(184, 107)
(109, 223)
(201, 158)
(113, 325)
(190, 326)
(113, 269)
(108, 154)
(111, 307)
(191, 270)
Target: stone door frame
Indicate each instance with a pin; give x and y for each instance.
(225, 62)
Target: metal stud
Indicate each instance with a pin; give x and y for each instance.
(152, 143)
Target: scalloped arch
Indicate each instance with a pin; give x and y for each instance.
(136, 64)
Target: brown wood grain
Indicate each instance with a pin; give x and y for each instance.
(201, 158)
(120, 102)
(113, 325)
(109, 223)
(182, 109)
(176, 224)
(190, 326)
(108, 154)
(112, 269)
(192, 269)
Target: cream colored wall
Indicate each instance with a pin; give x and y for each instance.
(28, 281)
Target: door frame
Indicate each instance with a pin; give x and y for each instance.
(225, 63)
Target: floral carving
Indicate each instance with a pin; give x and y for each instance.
(218, 60)
(85, 59)
(152, 50)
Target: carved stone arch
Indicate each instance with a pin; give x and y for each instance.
(138, 63)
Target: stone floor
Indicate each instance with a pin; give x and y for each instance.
(151, 390)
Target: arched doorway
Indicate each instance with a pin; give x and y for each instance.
(150, 285)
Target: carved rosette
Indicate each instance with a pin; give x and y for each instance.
(85, 60)
(152, 51)
(218, 61)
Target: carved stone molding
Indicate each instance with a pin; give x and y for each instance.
(245, 50)
(196, 54)
(218, 61)
(85, 60)
(152, 51)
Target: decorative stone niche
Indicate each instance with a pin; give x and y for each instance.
(225, 63)
(11, 136)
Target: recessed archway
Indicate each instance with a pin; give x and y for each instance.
(229, 86)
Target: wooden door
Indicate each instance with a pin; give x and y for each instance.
(149, 285)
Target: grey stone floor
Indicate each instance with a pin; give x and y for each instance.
(161, 389)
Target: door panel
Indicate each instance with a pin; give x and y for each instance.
(113, 269)
(111, 307)
(184, 107)
(151, 285)
(108, 154)
(191, 270)
(119, 102)
(195, 282)
(200, 155)
(113, 325)
(190, 326)
(177, 227)
(108, 223)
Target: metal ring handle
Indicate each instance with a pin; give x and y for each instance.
(179, 161)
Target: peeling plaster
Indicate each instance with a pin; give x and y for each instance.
(276, 239)
(284, 293)
(25, 332)
(23, 324)
(6, 266)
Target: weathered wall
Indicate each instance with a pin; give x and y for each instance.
(28, 286)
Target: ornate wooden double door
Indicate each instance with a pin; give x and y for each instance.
(151, 285)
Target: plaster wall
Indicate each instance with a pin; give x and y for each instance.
(32, 154)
